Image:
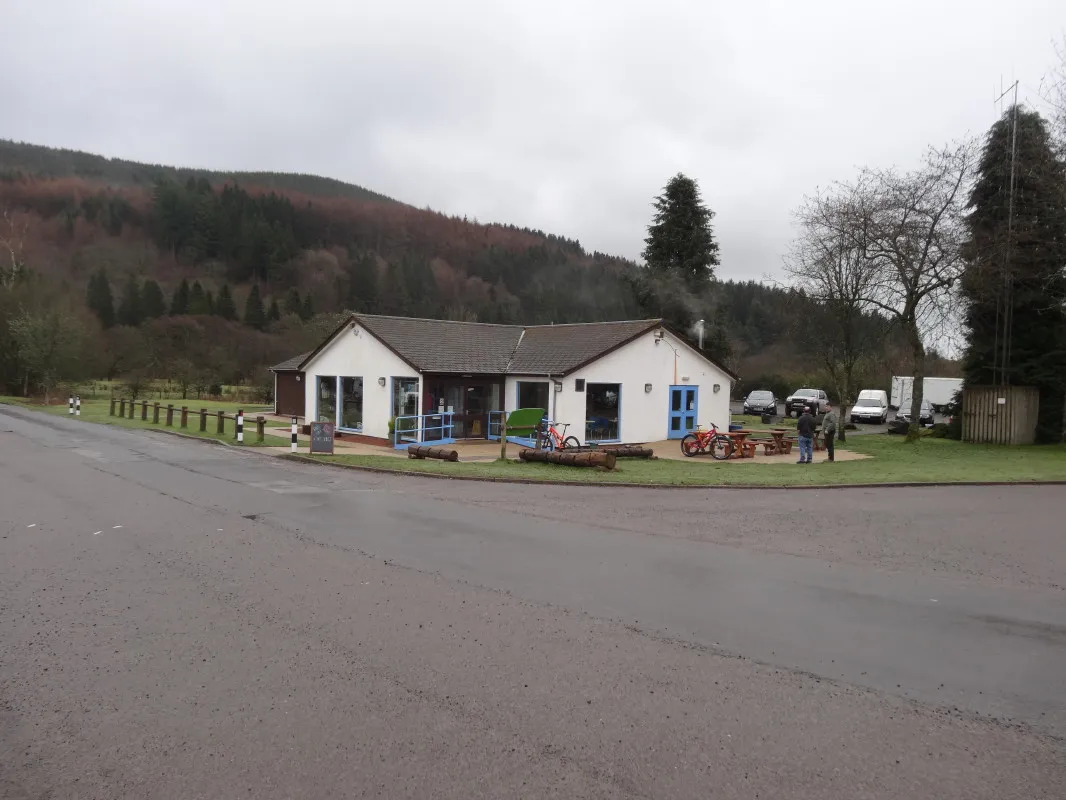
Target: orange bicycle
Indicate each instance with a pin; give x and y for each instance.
(553, 439)
(713, 441)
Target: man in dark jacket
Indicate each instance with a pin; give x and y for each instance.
(829, 427)
(805, 428)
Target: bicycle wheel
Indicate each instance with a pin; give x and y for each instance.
(570, 441)
(721, 448)
(690, 445)
(547, 443)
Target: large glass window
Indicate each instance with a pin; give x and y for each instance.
(326, 392)
(404, 397)
(352, 403)
(533, 394)
(601, 411)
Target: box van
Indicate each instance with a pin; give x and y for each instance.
(872, 406)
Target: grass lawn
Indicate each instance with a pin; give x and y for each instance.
(893, 460)
(99, 411)
(753, 423)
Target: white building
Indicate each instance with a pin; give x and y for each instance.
(632, 381)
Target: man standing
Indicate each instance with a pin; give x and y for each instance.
(805, 428)
(829, 427)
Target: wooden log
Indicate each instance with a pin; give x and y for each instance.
(170, 415)
(155, 413)
(185, 416)
(631, 451)
(144, 411)
(260, 429)
(221, 428)
(421, 451)
(589, 458)
(122, 408)
(203, 420)
(112, 406)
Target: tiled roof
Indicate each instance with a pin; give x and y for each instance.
(474, 348)
(558, 349)
(437, 345)
(290, 364)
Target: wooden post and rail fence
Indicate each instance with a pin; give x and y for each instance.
(126, 409)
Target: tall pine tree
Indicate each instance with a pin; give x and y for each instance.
(129, 308)
(224, 305)
(680, 239)
(152, 303)
(274, 313)
(99, 298)
(179, 303)
(198, 304)
(307, 310)
(292, 301)
(254, 315)
(1016, 267)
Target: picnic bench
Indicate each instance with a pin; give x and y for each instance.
(742, 448)
(777, 444)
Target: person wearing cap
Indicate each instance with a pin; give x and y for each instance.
(805, 428)
(829, 428)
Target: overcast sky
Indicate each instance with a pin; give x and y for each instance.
(564, 116)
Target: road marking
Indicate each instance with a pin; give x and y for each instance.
(116, 527)
(97, 533)
(933, 600)
(34, 525)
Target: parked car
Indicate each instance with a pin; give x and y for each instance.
(925, 415)
(759, 402)
(872, 406)
(815, 399)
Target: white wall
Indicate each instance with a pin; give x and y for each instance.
(353, 356)
(644, 417)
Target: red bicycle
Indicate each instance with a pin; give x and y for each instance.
(713, 441)
(552, 439)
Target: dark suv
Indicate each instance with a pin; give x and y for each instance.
(814, 399)
(760, 402)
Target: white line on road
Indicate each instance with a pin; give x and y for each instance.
(116, 527)
(97, 533)
(34, 525)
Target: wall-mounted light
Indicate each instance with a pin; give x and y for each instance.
(297, 378)
(558, 385)
(717, 388)
(381, 381)
(647, 388)
(684, 378)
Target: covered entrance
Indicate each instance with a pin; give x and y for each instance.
(469, 398)
(684, 402)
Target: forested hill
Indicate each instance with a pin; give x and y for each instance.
(36, 161)
(166, 272)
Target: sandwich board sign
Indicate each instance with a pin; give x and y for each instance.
(322, 437)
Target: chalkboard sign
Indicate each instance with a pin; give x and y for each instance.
(322, 437)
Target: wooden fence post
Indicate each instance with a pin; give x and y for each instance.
(170, 415)
(132, 409)
(503, 437)
(112, 412)
(155, 413)
(221, 422)
(144, 411)
(260, 429)
(185, 416)
(122, 407)
(203, 420)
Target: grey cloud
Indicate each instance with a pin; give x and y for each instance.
(565, 116)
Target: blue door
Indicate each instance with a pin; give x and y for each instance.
(684, 401)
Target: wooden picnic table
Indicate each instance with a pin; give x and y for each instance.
(779, 446)
(742, 448)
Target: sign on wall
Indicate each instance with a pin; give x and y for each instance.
(322, 437)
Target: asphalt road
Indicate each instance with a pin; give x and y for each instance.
(179, 619)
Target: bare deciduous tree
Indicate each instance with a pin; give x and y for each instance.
(828, 264)
(12, 238)
(892, 242)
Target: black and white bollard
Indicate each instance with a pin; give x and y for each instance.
(240, 427)
(70, 405)
(77, 405)
(294, 434)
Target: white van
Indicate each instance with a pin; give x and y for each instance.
(872, 406)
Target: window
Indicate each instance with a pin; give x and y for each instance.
(351, 404)
(579, 384)
(404, 397)
(533, 394)
(601, 412)
(327, 399)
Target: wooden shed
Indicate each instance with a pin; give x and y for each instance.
(1000, 415)
(289, 387)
